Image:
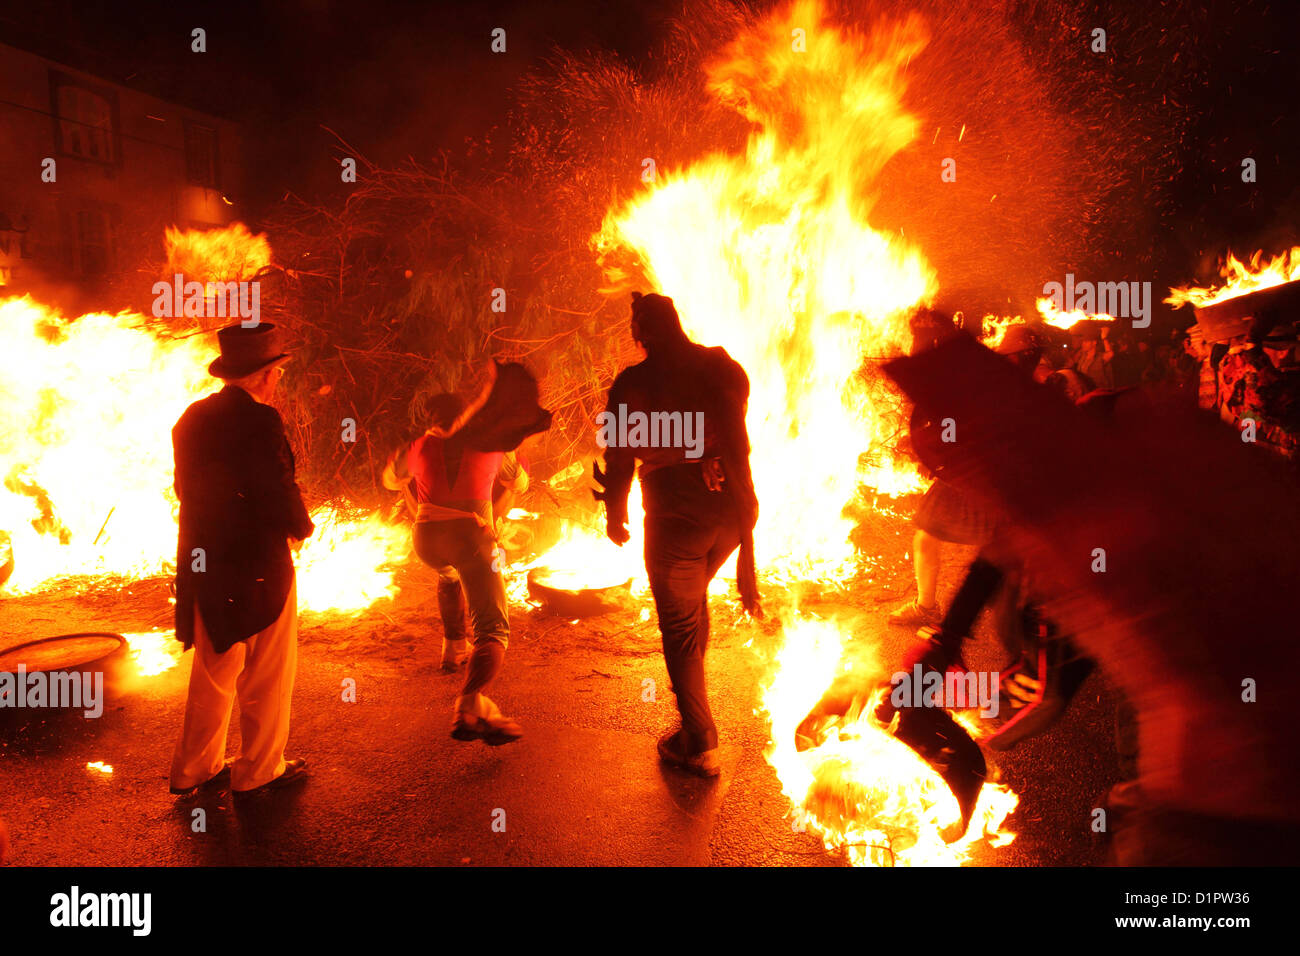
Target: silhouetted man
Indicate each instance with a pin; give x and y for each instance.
(698, 495)
(236, 599)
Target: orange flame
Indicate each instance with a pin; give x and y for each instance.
(1067, 320)
(217, 255)
(769, 254)
(153, 652)
(865, 793)
(1241, 278)
(87, 472)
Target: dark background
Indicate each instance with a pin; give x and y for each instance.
(1187, 91)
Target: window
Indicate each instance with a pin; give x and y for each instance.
(86, 120)
(201, 155)
(94, 242)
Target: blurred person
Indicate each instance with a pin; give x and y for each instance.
(463, 463)
(700, 505)
(1280, 347)
(1160, 372)
(236, 595)
(1207, 379)
(945, 514)
(1185, 617)
(1126, 363)
(1094, 356)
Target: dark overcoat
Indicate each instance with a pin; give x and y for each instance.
(239, 505)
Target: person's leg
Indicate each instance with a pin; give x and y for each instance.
(925, 561)
(200, 753)
(485, 590)
(430, 545)
(1007, 619)
(724, 545)
(677, 555)
(477, 715)
(983, 578)
(265, 695)
(452, 610)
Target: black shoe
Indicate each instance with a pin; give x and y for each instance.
(672, 750)
(219, 779)
(295, 771)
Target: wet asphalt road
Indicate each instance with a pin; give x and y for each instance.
(389, 786)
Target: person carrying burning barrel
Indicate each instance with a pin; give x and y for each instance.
(461, 467)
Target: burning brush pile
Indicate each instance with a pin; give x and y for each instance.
(87, 475)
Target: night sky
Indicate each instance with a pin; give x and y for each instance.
(395, 79)
(400, 80)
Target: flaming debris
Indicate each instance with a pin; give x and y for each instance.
(864, 792)
(1241, 278)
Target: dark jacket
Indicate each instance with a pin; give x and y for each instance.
(239, 504)
(690, 378)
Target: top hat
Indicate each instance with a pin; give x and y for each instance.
(247, 350)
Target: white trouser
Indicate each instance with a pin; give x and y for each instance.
(260, 671)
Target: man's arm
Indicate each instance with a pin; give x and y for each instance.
(271, 471)
(620, 467)
(513, 474)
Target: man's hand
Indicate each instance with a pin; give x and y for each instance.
(295, 544)
(617, 531)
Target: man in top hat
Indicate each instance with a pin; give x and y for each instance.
(236, 600)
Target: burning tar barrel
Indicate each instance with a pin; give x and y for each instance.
(1260, 311)
(568, 595)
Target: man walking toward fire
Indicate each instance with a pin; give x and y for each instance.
(699, 503)
(236, 599)
(462, 469)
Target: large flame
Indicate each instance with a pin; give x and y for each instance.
(1241, 278)
(86, 457)
(217, 255)
(768, 253)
